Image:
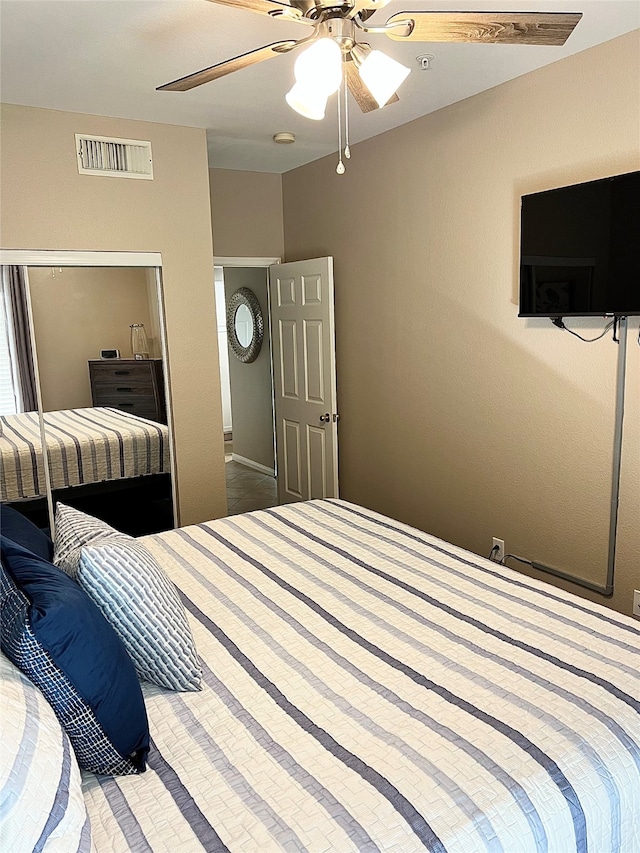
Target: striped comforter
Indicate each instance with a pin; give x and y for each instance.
(84, 446)
(369, 687)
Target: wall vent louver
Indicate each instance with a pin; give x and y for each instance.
(116, 158)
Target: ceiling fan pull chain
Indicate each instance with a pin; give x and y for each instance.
(347, 150)
(340, 166)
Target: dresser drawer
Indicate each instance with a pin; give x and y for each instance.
(143, 406)
(132, 385)
(124, 385)
(140, 375)
(109, 397)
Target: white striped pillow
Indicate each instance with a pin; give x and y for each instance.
(41, 802)
(133, 593)
(142, 604)
(74, 530)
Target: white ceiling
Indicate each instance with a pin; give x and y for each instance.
(107, 57)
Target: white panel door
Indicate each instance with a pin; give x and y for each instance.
(304, 379)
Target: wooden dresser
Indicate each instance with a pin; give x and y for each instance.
(133, 385)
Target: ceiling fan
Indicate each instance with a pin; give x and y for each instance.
(372, 77)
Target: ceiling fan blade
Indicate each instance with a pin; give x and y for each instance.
(545, 28)
(228, 67)
(263, 7)
(366, 8)
(362, 95)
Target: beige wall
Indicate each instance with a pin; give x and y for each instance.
(75, 315)
(251, 393)
(46, 204)
(246, 214)
(456, 415)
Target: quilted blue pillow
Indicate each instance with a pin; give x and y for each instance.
(55, 634)
(19, 529)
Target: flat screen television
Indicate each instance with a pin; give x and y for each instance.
(580, 250)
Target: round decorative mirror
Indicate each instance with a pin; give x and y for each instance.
(245, 324)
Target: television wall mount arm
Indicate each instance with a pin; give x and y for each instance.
(607, 588)
(617, 451)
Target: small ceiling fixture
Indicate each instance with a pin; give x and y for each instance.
(424, 61)
(334, 60)
(285, 137)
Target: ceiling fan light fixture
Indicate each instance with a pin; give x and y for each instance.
(380, 74)
(320, 66)
(310, 102)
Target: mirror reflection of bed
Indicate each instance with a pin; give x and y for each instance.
(104, 418)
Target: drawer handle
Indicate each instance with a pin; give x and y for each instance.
(121, 372)
(124, 389)
(125, 405)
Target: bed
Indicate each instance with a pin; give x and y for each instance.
(369, 687)
(85, 446)
(366, 687)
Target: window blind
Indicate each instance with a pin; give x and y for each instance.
(7, 393)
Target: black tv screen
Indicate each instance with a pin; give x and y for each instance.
(580, 250)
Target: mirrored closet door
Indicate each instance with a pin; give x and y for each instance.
(98, 345)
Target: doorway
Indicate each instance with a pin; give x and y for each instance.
(295, 313)
(247, 393)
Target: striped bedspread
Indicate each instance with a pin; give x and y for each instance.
(369, 687)
(84, 446)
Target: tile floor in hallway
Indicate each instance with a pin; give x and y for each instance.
(248, 489)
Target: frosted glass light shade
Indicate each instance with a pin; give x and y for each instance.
(320, 66)
(382, 75)
(309, 102)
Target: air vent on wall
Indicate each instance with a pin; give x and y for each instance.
(119, 158)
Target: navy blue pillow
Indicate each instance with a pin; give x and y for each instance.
(57, 636)
(19, 529)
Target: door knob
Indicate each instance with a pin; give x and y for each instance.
(325, 418)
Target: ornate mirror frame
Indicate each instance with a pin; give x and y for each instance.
(245, 296)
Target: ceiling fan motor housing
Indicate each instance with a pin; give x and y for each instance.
(341, 30)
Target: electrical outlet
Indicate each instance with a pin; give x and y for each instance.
(636, 602)
(499, 553)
